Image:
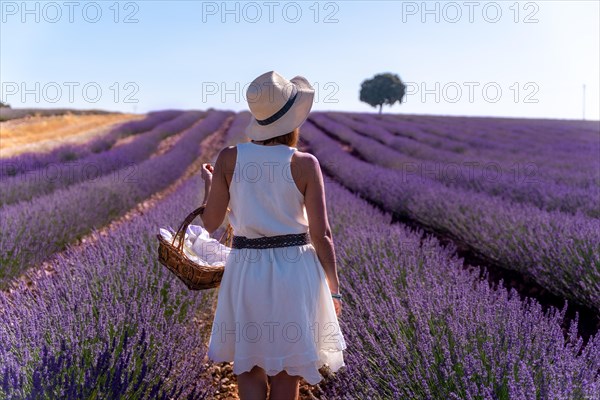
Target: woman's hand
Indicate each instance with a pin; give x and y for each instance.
(337, 303)
(207, 172)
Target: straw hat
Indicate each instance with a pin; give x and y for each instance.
(278, 105)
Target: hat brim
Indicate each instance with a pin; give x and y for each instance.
(292, 119)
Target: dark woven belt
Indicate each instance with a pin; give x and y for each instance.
(293, 239)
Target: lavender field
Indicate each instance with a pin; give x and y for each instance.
(87, 311)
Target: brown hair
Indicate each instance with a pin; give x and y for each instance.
(289, 139)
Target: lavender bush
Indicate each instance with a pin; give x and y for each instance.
(420, 326)
(111, 322)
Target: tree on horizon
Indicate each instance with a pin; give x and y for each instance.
(385, 88)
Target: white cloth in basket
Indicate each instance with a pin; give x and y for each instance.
(198, 246)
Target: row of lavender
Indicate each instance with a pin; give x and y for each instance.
(540, 152)
(420, 326)
(376, 144)
(475, 140)
(53, 177)
(29, 162)
(112, 322)
(560, 250)
(33, 230)
(505, 135)
(551, 144)
(537, 153)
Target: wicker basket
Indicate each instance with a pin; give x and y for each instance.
(195, 276)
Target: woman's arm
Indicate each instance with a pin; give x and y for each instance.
(216, 192)
(320, 232)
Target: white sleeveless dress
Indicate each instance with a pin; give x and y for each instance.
(274, 306)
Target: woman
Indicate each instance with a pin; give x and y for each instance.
(279, 299)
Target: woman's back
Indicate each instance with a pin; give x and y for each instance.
(270, 285)
(274, 307)
(264, 199)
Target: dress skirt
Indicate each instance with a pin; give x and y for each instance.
(275, 310)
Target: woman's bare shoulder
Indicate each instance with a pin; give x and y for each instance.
(228, 152)
(305, 159)
(228, 156)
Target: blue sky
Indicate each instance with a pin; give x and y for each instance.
(505, 58)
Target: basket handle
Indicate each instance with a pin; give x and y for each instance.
(229, 235)
(188, 220)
